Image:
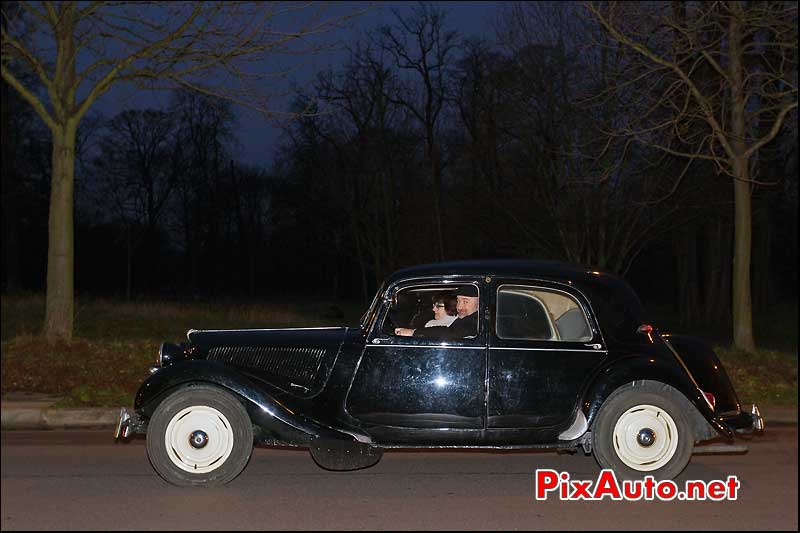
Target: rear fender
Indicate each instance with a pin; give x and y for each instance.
(265, 411)
(641, 367)
(707, 370)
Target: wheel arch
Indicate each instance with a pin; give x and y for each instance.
(639, 370)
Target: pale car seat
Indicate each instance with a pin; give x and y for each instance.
(573, 327)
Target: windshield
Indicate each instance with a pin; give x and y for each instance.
(368, 315)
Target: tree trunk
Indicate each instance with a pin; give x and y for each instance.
(436, 179)
(128, 263)
(742, 298)
(59, 317)
(714, 271)
(742, 302)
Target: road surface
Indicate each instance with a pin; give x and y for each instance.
(82, 480)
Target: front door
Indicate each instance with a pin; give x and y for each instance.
(426, 391)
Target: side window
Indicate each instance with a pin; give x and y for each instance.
(527, 313)
(421, 306)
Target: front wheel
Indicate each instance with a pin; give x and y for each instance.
(199, 436)
(641, 430)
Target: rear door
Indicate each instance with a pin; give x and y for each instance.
(543, 346)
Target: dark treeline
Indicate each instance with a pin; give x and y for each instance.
(424, 145)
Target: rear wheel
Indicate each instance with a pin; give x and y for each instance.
(642, 430)
(199, 436)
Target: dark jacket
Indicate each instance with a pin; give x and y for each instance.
(459, 329)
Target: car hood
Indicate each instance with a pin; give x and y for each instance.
(297, 360)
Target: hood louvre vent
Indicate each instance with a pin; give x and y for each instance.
(300, 364)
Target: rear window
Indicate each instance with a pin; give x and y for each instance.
(533, 313)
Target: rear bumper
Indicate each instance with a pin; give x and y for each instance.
(744, 422)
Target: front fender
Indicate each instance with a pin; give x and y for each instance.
(642, 367)
(265, 411)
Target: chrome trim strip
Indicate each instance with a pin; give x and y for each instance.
(260, 329)
(192, 331)
(426, 346)
(688, 372)
(547, 349)
(482, 347)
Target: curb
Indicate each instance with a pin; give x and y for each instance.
(20, 418)
(28, 415)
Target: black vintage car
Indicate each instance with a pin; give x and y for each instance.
(541, 355)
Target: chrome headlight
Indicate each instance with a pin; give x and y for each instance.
(168, 353)
(160, 358)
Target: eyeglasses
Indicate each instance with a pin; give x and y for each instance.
(438, 305)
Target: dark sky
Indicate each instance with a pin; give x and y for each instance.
(257, 138)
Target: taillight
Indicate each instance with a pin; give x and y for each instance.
(712, 402)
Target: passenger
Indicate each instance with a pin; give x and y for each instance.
(466, 325)
(444, 309)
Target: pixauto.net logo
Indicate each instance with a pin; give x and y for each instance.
(549, 482)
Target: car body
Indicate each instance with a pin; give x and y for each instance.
(562, 358)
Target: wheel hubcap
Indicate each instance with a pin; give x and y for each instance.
(645, 438)
(199, 439)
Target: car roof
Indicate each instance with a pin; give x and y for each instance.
(503, 267)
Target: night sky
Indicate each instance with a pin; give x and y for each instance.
(256, 136)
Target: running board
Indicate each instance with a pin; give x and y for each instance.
(720, 448)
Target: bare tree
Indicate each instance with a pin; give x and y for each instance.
(752, 49)
(79, 51)
(540, 147)
(206, 139)
(363, 115)
(138, 165)
(422, 44)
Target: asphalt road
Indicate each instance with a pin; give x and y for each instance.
(82, 480)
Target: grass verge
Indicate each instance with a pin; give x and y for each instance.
(766, 377)
(116, 343)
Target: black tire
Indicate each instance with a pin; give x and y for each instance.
(228, 443)
(620, 440)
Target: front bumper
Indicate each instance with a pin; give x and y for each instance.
(127, 424)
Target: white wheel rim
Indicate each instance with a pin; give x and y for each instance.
(631, 451)
(217, 448)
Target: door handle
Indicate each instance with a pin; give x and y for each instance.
(595, 346)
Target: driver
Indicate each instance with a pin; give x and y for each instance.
(466, 325)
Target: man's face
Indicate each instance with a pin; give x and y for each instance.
(466, 305)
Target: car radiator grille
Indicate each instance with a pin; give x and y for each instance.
(301, 365)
